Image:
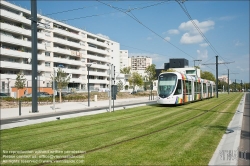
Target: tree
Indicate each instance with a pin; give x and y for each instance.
(207, 75)
(125, 70)
(62, 79)
(119, 86)
(135, 79)
(150, 70)
(20, 82)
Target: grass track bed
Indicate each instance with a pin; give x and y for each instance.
(180, 144)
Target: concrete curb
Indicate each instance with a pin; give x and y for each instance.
(227, 150)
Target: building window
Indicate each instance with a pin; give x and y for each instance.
(3, 85)
(47, 64)
(47, 53)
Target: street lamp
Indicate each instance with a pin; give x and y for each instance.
(8, 86)
(88, 66)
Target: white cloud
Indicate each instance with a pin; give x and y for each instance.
(173, 31)
(204, 45)
(202, 55)
(238, 43)
(104, 36)
(190, 39)
(192, 35)
(149, 38)
(167, 38)
(227, 18)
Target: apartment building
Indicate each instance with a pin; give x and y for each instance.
(123, 58)
(139, 63)
(224, 78)
(59, 45)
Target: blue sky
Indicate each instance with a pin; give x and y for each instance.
(162, 30)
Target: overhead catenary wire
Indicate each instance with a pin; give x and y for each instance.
(94, 15)
(184, 8)
(137, 20)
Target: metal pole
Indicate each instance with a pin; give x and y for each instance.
(110, 87)
(54, 89)
(8, 86)
(228, 81)
(235, 86)
(38, 85)
(217, 76)
(241, 86)
(114, 91)
(34, 54)
(20, 107)
(88, 86)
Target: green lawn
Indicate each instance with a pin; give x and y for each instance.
(146, 135)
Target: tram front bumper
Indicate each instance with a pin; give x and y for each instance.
(167, 100)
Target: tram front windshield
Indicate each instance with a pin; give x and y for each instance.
(166, 84)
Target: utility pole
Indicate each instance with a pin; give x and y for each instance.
(34, 54)
(195, 67)
(235, 86)
(217, 71)
(241, 85)
(196, 60)
(217, 76)
(227, 81)
(110, 84)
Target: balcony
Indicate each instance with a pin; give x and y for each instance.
(67, 52)
(62, 50)
(20, 42)
(67, 33)
(72, 71)
(14, 53)
(21, 66)
(15, 29)
(67, 61)
(98, 43)
(95, 73)
(76, 80)
(98, 66)
(98, 58)
(13, 16)
(68, 43)
(100, 51)
(96, 81)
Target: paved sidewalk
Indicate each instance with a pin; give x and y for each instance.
(27, 117)
(227, 150)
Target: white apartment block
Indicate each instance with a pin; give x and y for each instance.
(224, 78)
(139, 63)
(59, 45)
(123, 59)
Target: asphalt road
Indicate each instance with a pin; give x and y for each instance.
(244, 148)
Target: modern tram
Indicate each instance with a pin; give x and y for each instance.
(177, 88)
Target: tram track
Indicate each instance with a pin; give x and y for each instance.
(92, 124)
(150, 133)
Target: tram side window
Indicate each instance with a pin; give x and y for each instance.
(195, 87)
(204, 88)
(188, 87)
(178, 88)
(199, 88)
